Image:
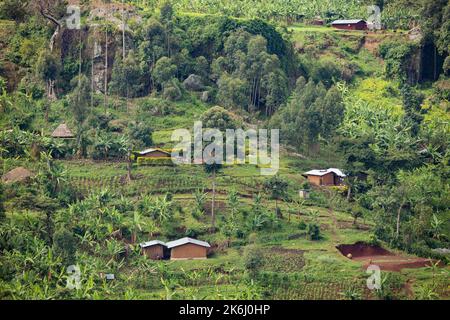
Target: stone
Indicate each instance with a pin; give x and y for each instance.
(205, 96)
(193, 83)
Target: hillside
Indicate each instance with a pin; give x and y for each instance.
(364, 101)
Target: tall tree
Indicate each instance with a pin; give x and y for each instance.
(164, 71)
(47, 68)
(276, 187)
(79, 102)
(126, 79)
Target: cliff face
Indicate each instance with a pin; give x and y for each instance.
(431, 62)
(99, 46)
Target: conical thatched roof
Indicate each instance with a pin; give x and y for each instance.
(17, 175)
(62, 132)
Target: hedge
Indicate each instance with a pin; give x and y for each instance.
(142, 161)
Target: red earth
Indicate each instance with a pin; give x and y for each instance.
(375, 255)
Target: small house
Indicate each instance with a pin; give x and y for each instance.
(356, 24)
(328, 177)
(153, 153)
(63, 132)
(19, 174)
(188, 249)
(153, 249)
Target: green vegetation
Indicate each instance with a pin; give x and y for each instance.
(363, 102)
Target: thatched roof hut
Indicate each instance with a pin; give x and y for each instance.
(18, 174)
(63, 132)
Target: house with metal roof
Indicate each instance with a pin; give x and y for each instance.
(351, 24)
(187, 249)
(155, 249)
(153, 153)
(325, 177)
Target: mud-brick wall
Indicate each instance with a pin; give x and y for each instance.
(188, 251)
(154, 252)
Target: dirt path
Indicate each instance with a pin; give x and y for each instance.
(334, 227)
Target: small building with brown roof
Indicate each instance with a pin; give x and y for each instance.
(63, 132)
(188, 249)
(19, 174)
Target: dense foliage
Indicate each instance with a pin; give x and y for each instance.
(352, 100)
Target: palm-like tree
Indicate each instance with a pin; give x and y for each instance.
(105, 143)
(136, 225)
(162, 208)
(233, 203)
(436, 225)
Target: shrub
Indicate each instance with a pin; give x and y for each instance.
(253, 259)
(302, 225)
(141, 134)
(172, 91)
(306, 185)
(157, 107)
(313, 231)
(64, 244)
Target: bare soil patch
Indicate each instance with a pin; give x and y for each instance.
(376, 255)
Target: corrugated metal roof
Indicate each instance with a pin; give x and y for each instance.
(152, 150)
(338, 172)
(180, 242)
(351, 21)
(151, 243)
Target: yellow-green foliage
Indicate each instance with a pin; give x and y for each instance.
(379, 92)
(142, 161)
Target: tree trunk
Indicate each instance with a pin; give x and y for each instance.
(127, 99)
(51, 90)
(79, 151)
(106, 71)
(349, 192)
(80, 57)
(276, 207)
(398, 218)
(48, 223)
(94, 45)
(123, 32)
(213, 217)
(129, 166)
(46, 112)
